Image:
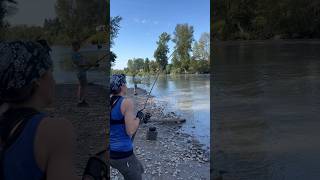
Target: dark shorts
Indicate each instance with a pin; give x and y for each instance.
(82, 77)
(130, 167)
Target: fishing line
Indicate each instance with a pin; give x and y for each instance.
(102, 58)
(145, 104)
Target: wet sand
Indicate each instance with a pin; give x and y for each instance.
(174, 155)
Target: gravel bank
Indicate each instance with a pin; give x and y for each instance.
(174, 155)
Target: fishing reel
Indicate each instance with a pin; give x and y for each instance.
(146, 118)
(143, 117)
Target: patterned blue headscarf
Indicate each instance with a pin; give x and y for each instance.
(21, 63)
(116, 81)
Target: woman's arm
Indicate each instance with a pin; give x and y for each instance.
(3, 108)
(54, 149)
(132, 123)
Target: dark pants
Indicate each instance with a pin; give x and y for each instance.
(130, 167)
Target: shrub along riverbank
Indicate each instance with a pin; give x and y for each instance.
(265, 19)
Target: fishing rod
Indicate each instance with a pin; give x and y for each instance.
(102, 58)
(145, 104)
(154, 84)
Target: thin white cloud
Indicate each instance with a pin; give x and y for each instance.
(145, 21)
(136, 20)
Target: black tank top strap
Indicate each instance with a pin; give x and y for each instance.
(10, 119)
(114, 101)
(114, 122)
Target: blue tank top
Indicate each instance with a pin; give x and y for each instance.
(119, 139)
(19, 161)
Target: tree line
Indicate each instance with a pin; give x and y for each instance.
(265, 19)
(76, 20)
(189, 55)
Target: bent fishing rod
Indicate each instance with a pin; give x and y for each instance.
(148, 96)
(145, 104)
(102, 153)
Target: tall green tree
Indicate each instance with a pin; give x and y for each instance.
(114, 28)
(153, 66)
(135, 65)
(53, 30)
(114, 31)
(162, 50)
(183, 38)
(7, 7)
(80, 17)
(196, 52)
(131, 66)
(264, 19)
(139, 63)
(201, 48)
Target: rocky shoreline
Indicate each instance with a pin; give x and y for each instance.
(174, 155)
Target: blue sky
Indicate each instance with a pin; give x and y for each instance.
(144, 20)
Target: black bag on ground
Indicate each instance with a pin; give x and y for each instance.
(96, 169)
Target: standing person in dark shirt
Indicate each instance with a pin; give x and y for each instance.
(82, 68)
(135, 85)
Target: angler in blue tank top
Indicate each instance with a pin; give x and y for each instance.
(32, 145)
(123, 125)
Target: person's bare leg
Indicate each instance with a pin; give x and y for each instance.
(79, 93)
(84, 92)
(135, 90)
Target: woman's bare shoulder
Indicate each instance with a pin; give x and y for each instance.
(53, 124)
(55, 130)
(128, 103)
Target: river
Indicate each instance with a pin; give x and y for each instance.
(266, 109)
(186, 95)
(64, 71)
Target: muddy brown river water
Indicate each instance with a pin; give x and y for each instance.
(266, 97)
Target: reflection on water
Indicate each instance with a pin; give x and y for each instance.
(266, 109)
(64, 70)
(187, 95)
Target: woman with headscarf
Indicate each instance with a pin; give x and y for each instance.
(123, 126)
(33, 145)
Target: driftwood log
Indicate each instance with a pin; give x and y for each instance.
(168, 120)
